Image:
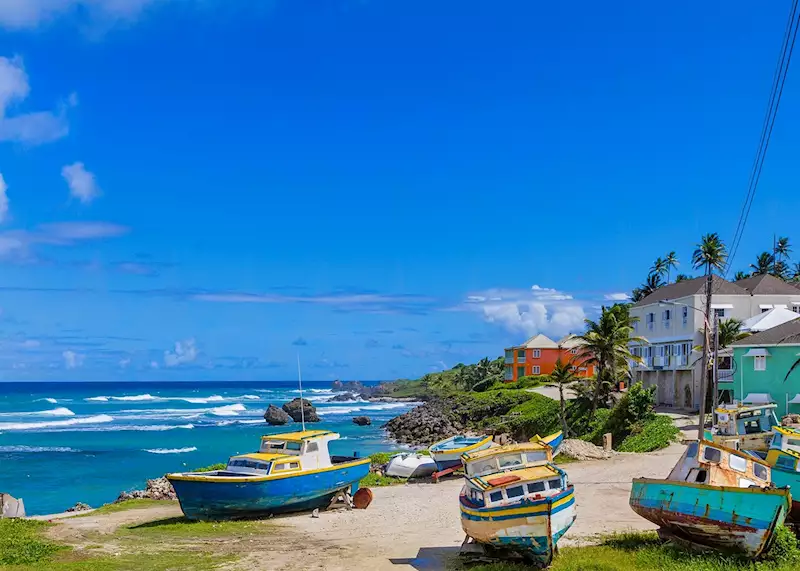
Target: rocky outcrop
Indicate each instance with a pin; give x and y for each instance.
(309, 413)
(343, 397)
(80, 507)
(362, 420)
(361, 390)
(425, 424)
(276, 416)
(156, 489)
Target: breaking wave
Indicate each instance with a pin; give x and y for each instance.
(33, 449)
(98, 419)
(229, 410)
(50, 400)
(54, 412)
(170, 450)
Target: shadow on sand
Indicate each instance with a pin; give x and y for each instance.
(429, 558)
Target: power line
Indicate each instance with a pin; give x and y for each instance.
(778, 82)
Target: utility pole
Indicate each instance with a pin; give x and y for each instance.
(704, 367)
(715, 368)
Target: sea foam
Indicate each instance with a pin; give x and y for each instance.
(170, 450)
(98, 419)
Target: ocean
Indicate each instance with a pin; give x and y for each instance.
(61, 443)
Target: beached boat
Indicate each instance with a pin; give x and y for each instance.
(515, 498)
(554, 441)
(410, 465)
(783, 457)
(447, 453)
(743, 426)
(715, 497)
(290, 472)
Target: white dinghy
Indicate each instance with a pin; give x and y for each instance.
(410, 465)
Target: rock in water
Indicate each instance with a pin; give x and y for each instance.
(156, 489)
(293, 409)
(79, 507)
(362, 420)
(276, 416)
(344, 397)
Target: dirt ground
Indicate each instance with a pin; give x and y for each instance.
(414, 526)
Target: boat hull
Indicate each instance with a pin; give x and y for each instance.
(758, 442)
(783, 478)
(219, 497)
(554, 441)
(728, 519)
(532, 527)
(410, 466)
(451, 457)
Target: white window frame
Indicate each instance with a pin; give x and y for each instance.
(760, 363)
(685, 315)
(719, 312)
(536, 370)
(537, 353)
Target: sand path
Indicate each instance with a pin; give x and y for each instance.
(413, 526)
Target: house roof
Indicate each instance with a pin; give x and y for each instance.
(769, 319)
(785, 334)
(766, 284)
(540, 342)
(570, 341)
(692, 287)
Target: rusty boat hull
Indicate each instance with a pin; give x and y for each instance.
(727, 519)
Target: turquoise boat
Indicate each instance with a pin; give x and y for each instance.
(717, 498)
(783, 457)
(515, 498)
(447, 453)
(290, 472)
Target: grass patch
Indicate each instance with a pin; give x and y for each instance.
(375, 480)
(646, 552)
(380, 458)
(564, 459)
(163, 561)
(180, 527)
(136, 504)
(654, 434)
(21, 542)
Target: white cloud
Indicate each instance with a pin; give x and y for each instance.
(617, 297)
(123, 363)
(3, 199)
(528, 312)
(18, 14)
(82, 183)
(185, 352)
(29, 128)
(19, 244)
(154, 365)
(72, 359)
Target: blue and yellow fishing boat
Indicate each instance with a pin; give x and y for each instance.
(783, 457)
(715, 497)
(447, 453)
(514, 497)
(290, 472)
(743, 426)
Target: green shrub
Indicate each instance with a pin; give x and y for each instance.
(635, 408)
(380, 458)
(785, 547)
(532, 381)
(653, 434)
(537, 415)
(597, 427)
(212, 468)
(21, 543)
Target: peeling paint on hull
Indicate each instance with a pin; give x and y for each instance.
(533, 528)
(728, 519)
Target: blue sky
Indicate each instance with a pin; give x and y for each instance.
(199, 189)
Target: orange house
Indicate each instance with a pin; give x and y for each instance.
(538, 356)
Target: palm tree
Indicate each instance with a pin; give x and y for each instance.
(652, 283)
(780, 269)
(682, 277)
(606, 346)
(740, 275)
(659, 267)
(563, 375)
(710, 254)
(796, 272)
(763, 265)
(729, 331)
(782, 248)
(671, 262)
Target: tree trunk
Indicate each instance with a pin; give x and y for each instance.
(704, 366)
(596, 396)
(564, 427)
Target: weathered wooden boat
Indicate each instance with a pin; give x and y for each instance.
(554, 441)
(743, 426)
(515, 498)
(715, 497)
(410, 465)
(447, 453)
(783, 457)
(290, 472)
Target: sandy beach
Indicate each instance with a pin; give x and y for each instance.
(414, 526)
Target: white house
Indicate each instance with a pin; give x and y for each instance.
(671, 320)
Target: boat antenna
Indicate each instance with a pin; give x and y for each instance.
(302, 405)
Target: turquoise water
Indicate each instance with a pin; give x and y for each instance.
(61, 443)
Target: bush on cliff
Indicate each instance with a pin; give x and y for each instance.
(537, 415)
(653, 434)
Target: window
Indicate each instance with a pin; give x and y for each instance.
(496, 496)
(786, 462)
(685, 311)
(719, 312)
(761, 472)
(666, 315)
(574, 351)
(765, 309)
(796, 307)
(312, 447)
(287, 466)
(650, 319)
(535, 456)
(554, 484)
(514, 461)
(537, 353)
(738, 463)
(537, 369)
(535, 487)
(760, 363)
(712, 454)
(515, 492)
(696, 475)
(520, 372)
(509, 354)
(484, 468)
(521, 354)
(691, 450)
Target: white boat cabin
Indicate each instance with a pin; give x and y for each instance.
(285, 453)
(508, 488)
(707, 463)
(739, 420)
(505, 458)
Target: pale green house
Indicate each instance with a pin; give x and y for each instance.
(764, 368)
